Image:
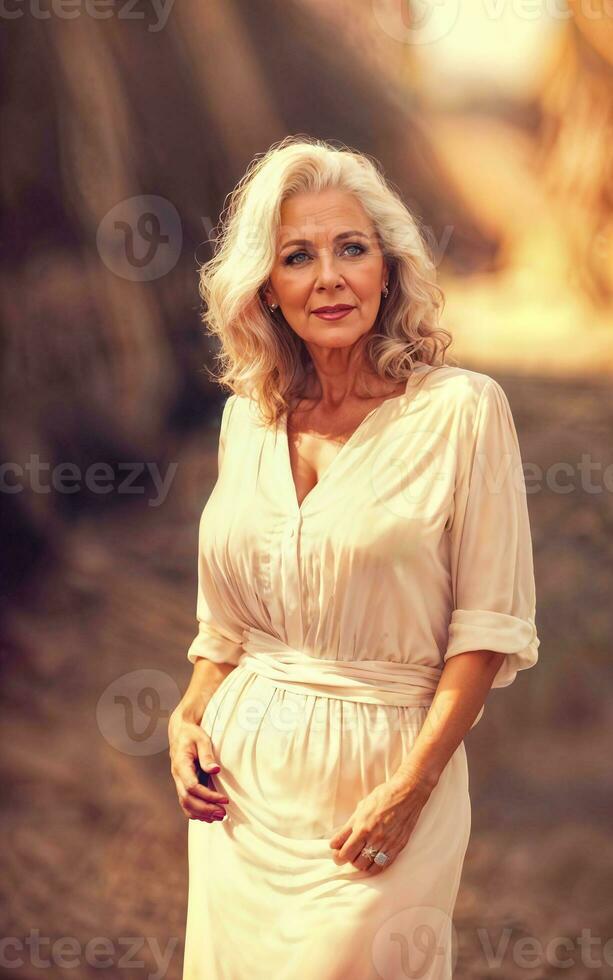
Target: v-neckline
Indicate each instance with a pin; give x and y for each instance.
(299, 506)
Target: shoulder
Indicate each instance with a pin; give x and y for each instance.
(245, 412)
(227, 411)
(469, 406)
(239, 407)
(464, 392)
(240, 414)
(461, 384)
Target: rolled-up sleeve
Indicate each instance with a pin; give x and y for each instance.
(492, 570)
(219, 636)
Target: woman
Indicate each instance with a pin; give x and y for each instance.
(365, 577)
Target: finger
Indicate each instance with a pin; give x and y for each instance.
(392, 854)
(204, 789)
(340, 837)
(206, 756)
(186, 772)
(192, 804)
(199, 809)
(204, 793)
(352, 847)
(204, 811)
(362, 862)
(183, 769)
(392, 848)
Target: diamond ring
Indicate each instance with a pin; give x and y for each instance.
(374, 854)
(381, 858)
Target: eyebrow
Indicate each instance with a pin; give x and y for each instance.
(337, 238)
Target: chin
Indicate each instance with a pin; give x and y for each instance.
(336, 340)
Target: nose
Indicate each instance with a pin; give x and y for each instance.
(328, 275)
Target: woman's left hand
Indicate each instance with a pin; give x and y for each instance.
(384, 819)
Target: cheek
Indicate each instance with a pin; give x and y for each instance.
(293, 290)
(367, 285)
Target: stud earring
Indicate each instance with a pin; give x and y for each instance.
(273, 307)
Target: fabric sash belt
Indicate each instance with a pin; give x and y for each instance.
(370, 681)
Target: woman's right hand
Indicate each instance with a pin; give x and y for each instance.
(188, 743)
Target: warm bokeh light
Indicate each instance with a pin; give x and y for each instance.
(494, 48)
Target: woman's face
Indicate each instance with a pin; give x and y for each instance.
(327, 255)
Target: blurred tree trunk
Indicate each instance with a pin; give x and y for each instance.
(575, 152)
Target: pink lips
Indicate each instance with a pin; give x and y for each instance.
(332, 312)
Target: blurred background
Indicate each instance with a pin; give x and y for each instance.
(124, 126)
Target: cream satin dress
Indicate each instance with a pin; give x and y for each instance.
(340, 613)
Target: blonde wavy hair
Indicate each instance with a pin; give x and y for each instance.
(259, 354)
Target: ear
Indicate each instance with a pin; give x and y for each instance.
(267, 295)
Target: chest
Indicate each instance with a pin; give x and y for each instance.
(314, 445)
(310, 456)
(315, 440)
(290, 505)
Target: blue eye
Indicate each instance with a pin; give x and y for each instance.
(290, 258)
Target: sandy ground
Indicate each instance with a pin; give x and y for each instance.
(94, 841)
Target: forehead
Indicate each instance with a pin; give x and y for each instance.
(322, 215)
